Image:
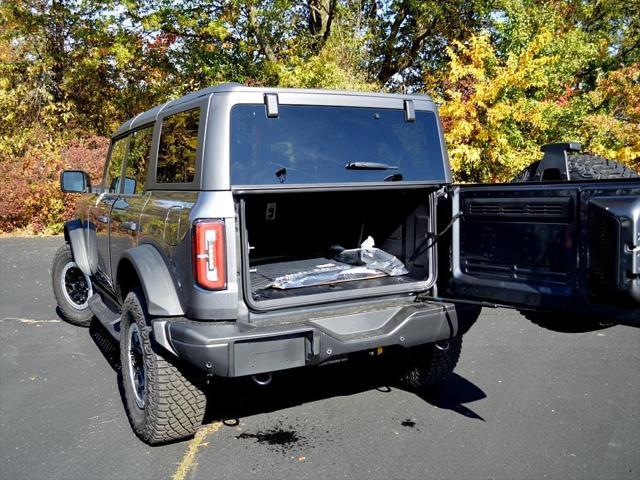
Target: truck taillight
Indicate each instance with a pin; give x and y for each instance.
(209, 262)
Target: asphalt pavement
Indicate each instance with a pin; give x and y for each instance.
(526, 402)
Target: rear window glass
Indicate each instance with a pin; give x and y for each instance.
(177, 150)
(314, 144)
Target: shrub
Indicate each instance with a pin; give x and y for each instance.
(31, 198)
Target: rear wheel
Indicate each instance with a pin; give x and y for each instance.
(164, 402)
(71, 288)
(432, 364)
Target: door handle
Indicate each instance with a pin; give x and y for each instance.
(130, 225)
(103, 218)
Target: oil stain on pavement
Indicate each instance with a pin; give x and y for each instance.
(277, 438)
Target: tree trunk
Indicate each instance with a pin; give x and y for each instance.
(321, 13)
(55, 26)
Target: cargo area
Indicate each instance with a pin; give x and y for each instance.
(289, 233)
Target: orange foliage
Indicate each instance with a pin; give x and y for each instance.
(31, 198)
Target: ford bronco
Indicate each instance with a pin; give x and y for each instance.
(242, 231)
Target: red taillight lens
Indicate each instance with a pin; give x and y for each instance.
(209, 262)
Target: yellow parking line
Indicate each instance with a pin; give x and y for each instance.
(188, 460)
(28, 320)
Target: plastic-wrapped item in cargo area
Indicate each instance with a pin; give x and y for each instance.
(373, 258)
(348, 265)
(337, 272)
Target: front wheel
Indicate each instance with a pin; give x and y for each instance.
(71, 288)
(432, 364)
(162, 403)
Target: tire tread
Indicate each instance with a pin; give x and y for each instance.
(79, 318)
(433, 366)
(175, 404)
(584, 167)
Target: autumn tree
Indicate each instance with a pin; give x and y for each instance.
(510, 75)
(541, 74)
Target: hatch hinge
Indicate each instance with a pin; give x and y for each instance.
(409, 111)
(271, 103)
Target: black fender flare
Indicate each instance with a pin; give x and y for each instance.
(157, 284)
(74, 234)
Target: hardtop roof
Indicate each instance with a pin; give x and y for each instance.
(150, 115)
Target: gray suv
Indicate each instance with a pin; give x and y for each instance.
(233, 235)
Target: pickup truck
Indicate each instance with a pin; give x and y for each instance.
(243, 231)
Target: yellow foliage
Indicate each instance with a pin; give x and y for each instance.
(498, 110)
(338, 66)
(613, 130)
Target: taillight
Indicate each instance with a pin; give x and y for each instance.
(209, 262)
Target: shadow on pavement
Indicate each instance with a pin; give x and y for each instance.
(453, 394)
(230, 399)
(106, 344)
(242, 398)
(59, 314)
(563, 323)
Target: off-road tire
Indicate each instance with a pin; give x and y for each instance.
(80, 317)
(583, 167)
(431, 365)
(174, 397)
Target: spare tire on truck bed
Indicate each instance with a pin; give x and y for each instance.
(581, 167)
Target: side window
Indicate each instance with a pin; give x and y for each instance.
(138, 160)
(111, 180)
(177, 150)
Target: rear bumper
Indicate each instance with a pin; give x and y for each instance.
(233, 349)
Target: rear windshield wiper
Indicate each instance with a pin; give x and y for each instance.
(369, 166)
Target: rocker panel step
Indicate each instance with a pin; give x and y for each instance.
(107, 317)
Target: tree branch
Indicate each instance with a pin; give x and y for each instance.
(254, 28)
(389, 67)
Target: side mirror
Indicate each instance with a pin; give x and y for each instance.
(74, 181)
(129, 186)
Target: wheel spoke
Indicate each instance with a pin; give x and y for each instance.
(136, 365)
(76, 286)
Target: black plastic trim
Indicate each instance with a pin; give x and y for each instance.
(211, 345)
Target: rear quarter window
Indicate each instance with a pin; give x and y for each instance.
(177, 149)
